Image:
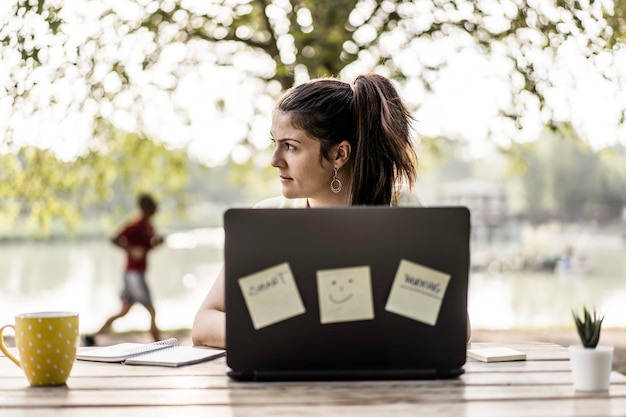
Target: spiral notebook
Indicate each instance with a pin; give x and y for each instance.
(162, 353)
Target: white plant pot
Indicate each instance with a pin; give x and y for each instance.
(591, 368)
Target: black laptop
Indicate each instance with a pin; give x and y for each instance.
(346, 293)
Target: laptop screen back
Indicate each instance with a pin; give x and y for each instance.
(345, 289)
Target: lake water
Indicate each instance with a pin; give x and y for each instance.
(86, 277)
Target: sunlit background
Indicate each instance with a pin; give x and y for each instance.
(519, 110)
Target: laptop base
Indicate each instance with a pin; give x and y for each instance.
(345, 375)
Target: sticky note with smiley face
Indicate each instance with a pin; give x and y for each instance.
(417, 292)
(271, 295)
(345, 294)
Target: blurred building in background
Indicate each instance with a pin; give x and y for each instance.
(488, 204)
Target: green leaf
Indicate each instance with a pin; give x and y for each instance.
(588, 327)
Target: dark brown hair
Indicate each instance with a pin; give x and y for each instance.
(372, 118)
(146, 203)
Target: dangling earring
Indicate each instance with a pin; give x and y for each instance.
(335, 184)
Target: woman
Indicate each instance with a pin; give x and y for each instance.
(335, 144)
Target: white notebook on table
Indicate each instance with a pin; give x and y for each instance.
(496, 354)
(162, 353)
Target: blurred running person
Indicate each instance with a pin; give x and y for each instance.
(137, 238)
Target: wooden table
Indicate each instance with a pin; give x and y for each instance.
(540, 386)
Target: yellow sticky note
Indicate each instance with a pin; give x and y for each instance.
(345, 294)
(271, 295)
(417, 292)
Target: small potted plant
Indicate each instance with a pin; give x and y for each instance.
(591, 364)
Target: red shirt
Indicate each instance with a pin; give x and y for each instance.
(138, 234)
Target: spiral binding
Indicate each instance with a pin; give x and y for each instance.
(150, 347)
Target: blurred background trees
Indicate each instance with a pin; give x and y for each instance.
(104, 99)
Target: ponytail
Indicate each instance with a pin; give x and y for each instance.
(384, 159)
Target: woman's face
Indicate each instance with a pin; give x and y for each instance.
(297, 157)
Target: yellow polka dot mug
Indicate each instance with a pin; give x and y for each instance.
(46, 346)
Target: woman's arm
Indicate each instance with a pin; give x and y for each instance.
(209, 326)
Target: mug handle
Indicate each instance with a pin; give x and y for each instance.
(4, 349)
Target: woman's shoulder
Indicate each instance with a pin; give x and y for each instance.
(407, 199)
(282, 202)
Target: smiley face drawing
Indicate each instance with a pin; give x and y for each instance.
(345, 294)
(341, 290)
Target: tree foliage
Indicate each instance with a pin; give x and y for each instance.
(36, 184)
(564, 179)
(111, 61)
(129, 48)
(558, 177)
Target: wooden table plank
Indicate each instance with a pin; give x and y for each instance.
(217, 367)
(473, 366)
(267, 394)
(209, 381)
(594, 407)
(534, 351)
(80, 369)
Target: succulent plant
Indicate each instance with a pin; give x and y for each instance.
(588, 326)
